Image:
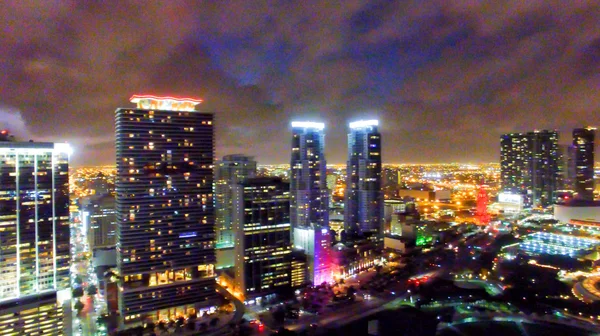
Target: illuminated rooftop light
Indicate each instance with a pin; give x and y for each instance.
(308, 124)
(149, 102)
(64, 148)
(364, 123)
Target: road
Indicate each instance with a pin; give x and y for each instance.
(346, 314)
(85, 323)
(240, 309)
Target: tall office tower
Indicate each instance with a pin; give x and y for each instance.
(34, 238)
(233, 169)
(364, 196)
(583, 142)
(100, 220)
(262, 236)
(530, 166)
(164, 206)
(308, 186)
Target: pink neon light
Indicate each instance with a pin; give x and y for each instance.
(135, 98)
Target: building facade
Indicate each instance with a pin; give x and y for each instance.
(34, 238)
(583, 143)
(230, 171)
(364, 194)
(530, 166)
(309, 202)
(567, 167)
(164, 207)
(262, 236)
(316, 243)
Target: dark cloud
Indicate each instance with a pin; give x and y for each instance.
(446, 78)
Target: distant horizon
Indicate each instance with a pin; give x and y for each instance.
(334, 164)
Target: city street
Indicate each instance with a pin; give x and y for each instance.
(84, 324)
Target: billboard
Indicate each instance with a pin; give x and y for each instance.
(510, 198)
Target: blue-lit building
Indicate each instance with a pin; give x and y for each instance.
(309, 203)
(309, 197)
(363, 213)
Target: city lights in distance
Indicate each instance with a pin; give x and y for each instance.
(308, 124)
(364, 123)
(149, 102)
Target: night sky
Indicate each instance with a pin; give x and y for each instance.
(445, 78)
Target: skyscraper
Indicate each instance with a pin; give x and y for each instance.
(583, 142)
(364, 195)
(309, 197)
(164, 206)
(567, 167)
(530, 165)
(101, 222)
(308, 186)
(232, 170)
(34, 238)
(262, 236)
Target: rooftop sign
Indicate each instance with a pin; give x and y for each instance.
(148, 102)
(364, 123)
(308, 124)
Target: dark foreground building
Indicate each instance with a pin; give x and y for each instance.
(262, 236)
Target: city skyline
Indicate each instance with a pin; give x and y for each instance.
(445, 73)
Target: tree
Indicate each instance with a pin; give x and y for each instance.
(203, 326)
(162, 326)
(78, 280)
(180, 321)
(78, 292)
(214, 322)
(92, 290)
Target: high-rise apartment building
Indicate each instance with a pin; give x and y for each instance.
(100, 220)
(583, 143)
(164, 206)
(262, 236)
(309, 198)
(530, 166)
(567, 167)
(308, 186)
(364, 195)
(230, 171)
(34, 238)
